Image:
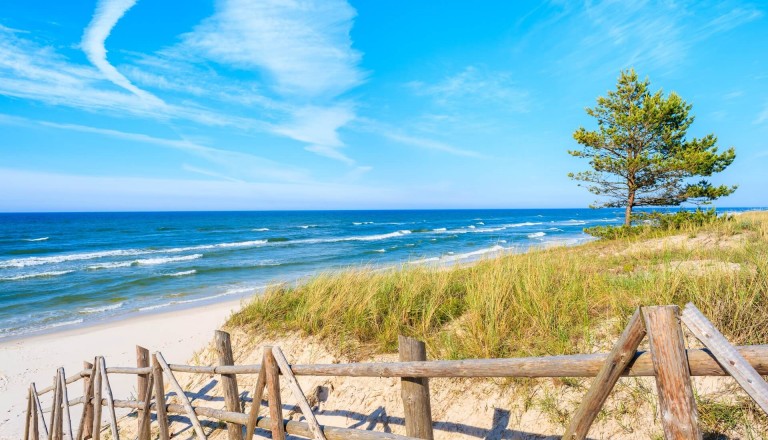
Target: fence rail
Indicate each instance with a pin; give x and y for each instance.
(667, 361)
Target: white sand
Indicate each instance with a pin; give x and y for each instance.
(177, 334)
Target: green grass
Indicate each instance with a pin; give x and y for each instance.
(555, 301)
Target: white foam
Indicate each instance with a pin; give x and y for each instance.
(233, 291)
(450, 257)
(182, 273)
(362, 223)
(144, 262)
(380, 250)
(537, 234)
(36, 239)
(53, 273)
(101, 309)
(440, 229)
(519, 225)
(36, 261)
(260, 229)
(308, 226)
(480, 223)
(471, 226)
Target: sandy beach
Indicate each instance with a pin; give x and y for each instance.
(177, 334)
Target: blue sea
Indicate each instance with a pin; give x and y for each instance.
(60, 270)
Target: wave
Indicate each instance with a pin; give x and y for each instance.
(36, 239)
(260, 229)
(537, 234)
(440, 229)
(480, 223)
(102, 308)
(228, 292)
(381, 251)
(144, 262)
(55, 259)
(309, 226)
(182, 273)
(519, 225)
(53, 273)
(362, 223)
(464, 256)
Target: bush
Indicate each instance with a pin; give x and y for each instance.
(659, 221)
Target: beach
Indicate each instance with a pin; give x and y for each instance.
(177, 334)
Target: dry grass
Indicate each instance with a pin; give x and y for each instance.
(554, 301)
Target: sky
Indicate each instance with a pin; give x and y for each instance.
(124, 105)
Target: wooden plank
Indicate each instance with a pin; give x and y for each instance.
(673, 381)
(28, 416)
(86, 418)
(110, 399)
(223, 347)
(142, 361)
(701, 363)
(294, 428)
(293, 384)
(35, 428)
(726, 355)
(273, 389)
(617, 361)
(162, 416)
(96, 429)
(71, 379)
(415, 391)
(85, 427)
(65, 403)
(39, 409)
(55, 432)
(183, 397)
(146, 413)
(258, 394)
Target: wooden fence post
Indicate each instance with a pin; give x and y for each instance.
(228, 381)
(415, 391)
(162, 416)
(142, 360)
(673, 380)
(87, 417)
(273, 390)
(65, 403)
(39, 409)
(96, 430)
(182, 396)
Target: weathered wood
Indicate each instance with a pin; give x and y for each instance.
(415, 391)
(86, 417)
(34, 428)
(28, 416)
(293, 384)
(65, 403)
(39, 409)
(162, 417)
(701, 363)
(258, 394)
(294, 428)
(146, 418)
(85, 427)
(55, 433)
(617, 361)
(79, 375)
(110, 399)
(183, 397)
(142, 361)
(223, 347)
(273, 390)
(673, 381)
(726, 354)
(96, 429)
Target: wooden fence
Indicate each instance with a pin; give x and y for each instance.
(667, 360)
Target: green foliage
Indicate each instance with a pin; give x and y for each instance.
(640, 155)
(650, 222)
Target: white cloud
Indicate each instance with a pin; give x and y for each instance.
(107, 14)
(303, 46)
(476, 86)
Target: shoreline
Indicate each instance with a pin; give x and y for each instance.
(178, 334)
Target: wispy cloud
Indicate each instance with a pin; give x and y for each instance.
(303, 47)
(476, 86)
(108, 12)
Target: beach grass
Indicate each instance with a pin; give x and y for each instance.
(559, 300)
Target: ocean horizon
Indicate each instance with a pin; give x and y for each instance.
(64, 270)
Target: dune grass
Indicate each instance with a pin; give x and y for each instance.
(553, 301)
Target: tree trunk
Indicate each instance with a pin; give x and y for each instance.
(628, 212)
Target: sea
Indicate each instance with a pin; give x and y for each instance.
(62, 270)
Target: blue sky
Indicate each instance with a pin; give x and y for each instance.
(327, 104)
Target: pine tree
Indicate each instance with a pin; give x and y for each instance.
(639, 153)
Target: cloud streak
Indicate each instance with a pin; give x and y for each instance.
(108, 13)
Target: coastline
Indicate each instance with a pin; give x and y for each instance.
(33, 358)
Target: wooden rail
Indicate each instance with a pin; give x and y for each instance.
(667, 361)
